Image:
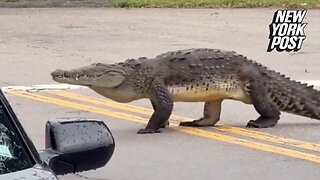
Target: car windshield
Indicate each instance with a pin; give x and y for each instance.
(13, 156)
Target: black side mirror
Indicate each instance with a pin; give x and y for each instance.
(77, 144)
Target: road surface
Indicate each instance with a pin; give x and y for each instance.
(34, 42)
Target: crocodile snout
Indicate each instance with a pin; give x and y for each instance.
(57, 73)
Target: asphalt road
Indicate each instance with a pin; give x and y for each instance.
(34, 42)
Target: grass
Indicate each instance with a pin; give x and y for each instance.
(305, 4)
(9, 0)
(216, 3)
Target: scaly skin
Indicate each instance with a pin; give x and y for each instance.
(198, 75)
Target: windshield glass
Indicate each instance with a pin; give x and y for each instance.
(13, 156)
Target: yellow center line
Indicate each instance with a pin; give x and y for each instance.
(250, 144)
(229, 129)
(193, 131)
(108, 103)
(79, 106)
(271, 138)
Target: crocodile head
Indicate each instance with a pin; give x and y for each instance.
(100, 75)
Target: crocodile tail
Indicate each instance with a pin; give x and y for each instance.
(303, 100)
(291, 96)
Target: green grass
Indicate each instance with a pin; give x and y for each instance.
(306, 4)
(216, 3)
(9, 0)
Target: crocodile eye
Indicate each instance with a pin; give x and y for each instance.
(98, 64)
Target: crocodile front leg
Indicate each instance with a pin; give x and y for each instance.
(163, 105)
(211, 115)
(165, 124)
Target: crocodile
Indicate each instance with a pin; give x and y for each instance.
(198, 75)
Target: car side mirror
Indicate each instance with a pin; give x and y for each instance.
(77, 144)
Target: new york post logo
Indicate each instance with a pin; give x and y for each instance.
(287, 30)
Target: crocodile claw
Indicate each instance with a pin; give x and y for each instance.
(262, 122)
(252, 124)
(148, 131)
(189, 123)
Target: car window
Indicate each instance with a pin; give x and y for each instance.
(13, 156)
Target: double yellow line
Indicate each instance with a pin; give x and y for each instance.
(64, 95)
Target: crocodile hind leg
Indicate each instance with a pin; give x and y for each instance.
(211, 115)
(163, 105)
(269, 114)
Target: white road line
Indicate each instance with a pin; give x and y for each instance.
(43, 87)
(316, 83)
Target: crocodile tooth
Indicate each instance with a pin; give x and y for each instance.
(193, 65)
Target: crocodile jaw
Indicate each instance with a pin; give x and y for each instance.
(100, 75)
(70, 77)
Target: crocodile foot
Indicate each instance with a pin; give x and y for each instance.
(189, 123)
(262, 122)
(200, 122)
(148, 131)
